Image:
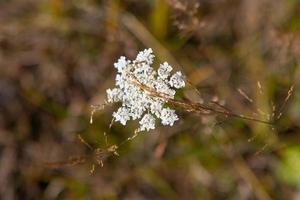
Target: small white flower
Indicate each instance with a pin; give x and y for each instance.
(122, 115)
(145, 56)
(122, 80)
(136, 112)
(168, 116)
(162, 87)
(177, 80)
(164, 70)
(121, 64)
(136, 101)
(145, 74)
(156, 107)
(147, 122)
(114, 95)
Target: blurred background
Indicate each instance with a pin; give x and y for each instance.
(56, 60)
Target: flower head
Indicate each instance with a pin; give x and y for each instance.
(147, 122)
(143, 91)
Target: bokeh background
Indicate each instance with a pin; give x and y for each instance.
(56, 60)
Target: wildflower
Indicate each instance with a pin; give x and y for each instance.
(168, 116)
(177, 80)
(164, 70)
(147, 122)
(143, 91)
(122, 115)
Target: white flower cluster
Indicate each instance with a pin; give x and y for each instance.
(136, 82)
